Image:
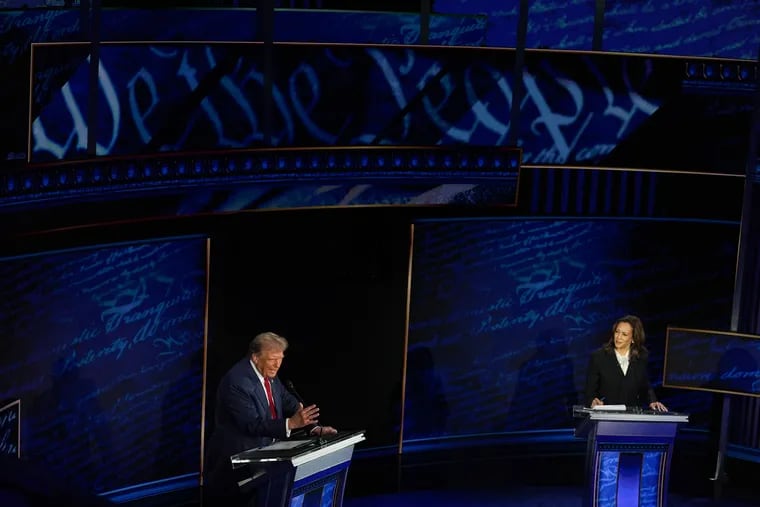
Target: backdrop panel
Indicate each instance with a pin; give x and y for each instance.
(104, 348)
(504, 314)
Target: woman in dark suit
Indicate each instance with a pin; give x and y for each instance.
(617, 372)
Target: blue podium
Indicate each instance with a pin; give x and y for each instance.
(297, 473)
(628, 456)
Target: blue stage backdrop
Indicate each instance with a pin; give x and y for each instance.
(104, 347)
(718, 361)
(505, 313)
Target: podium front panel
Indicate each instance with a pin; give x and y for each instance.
(628, 457)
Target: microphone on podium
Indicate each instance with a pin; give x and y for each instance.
(292, 389)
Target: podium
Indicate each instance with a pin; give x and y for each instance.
(628, 456)
(297, 473)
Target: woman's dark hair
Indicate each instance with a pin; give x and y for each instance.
(638, 341)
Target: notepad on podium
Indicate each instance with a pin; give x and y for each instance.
(609, 408)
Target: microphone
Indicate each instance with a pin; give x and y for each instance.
(292, 389)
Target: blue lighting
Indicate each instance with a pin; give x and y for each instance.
(692, 69)
(349, 163)
(744, 72)
(709, 70)
(727, 71)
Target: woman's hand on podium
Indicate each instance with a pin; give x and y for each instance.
(658, 407)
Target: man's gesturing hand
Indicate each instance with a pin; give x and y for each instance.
(304, 417)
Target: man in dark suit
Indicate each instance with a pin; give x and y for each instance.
(253, 408)
(617, 372)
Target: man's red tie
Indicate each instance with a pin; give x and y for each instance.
(272, 408)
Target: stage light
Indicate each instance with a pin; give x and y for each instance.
(692, 69)
(267, 163)
(745, 72)
(344, 162)
(728, 71)
(709, 71)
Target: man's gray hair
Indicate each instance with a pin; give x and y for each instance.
(267, 340)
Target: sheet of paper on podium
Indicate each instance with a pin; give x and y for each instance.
(610, 408)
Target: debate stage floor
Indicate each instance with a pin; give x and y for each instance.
(491, 478)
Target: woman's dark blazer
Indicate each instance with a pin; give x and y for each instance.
(605, 380)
